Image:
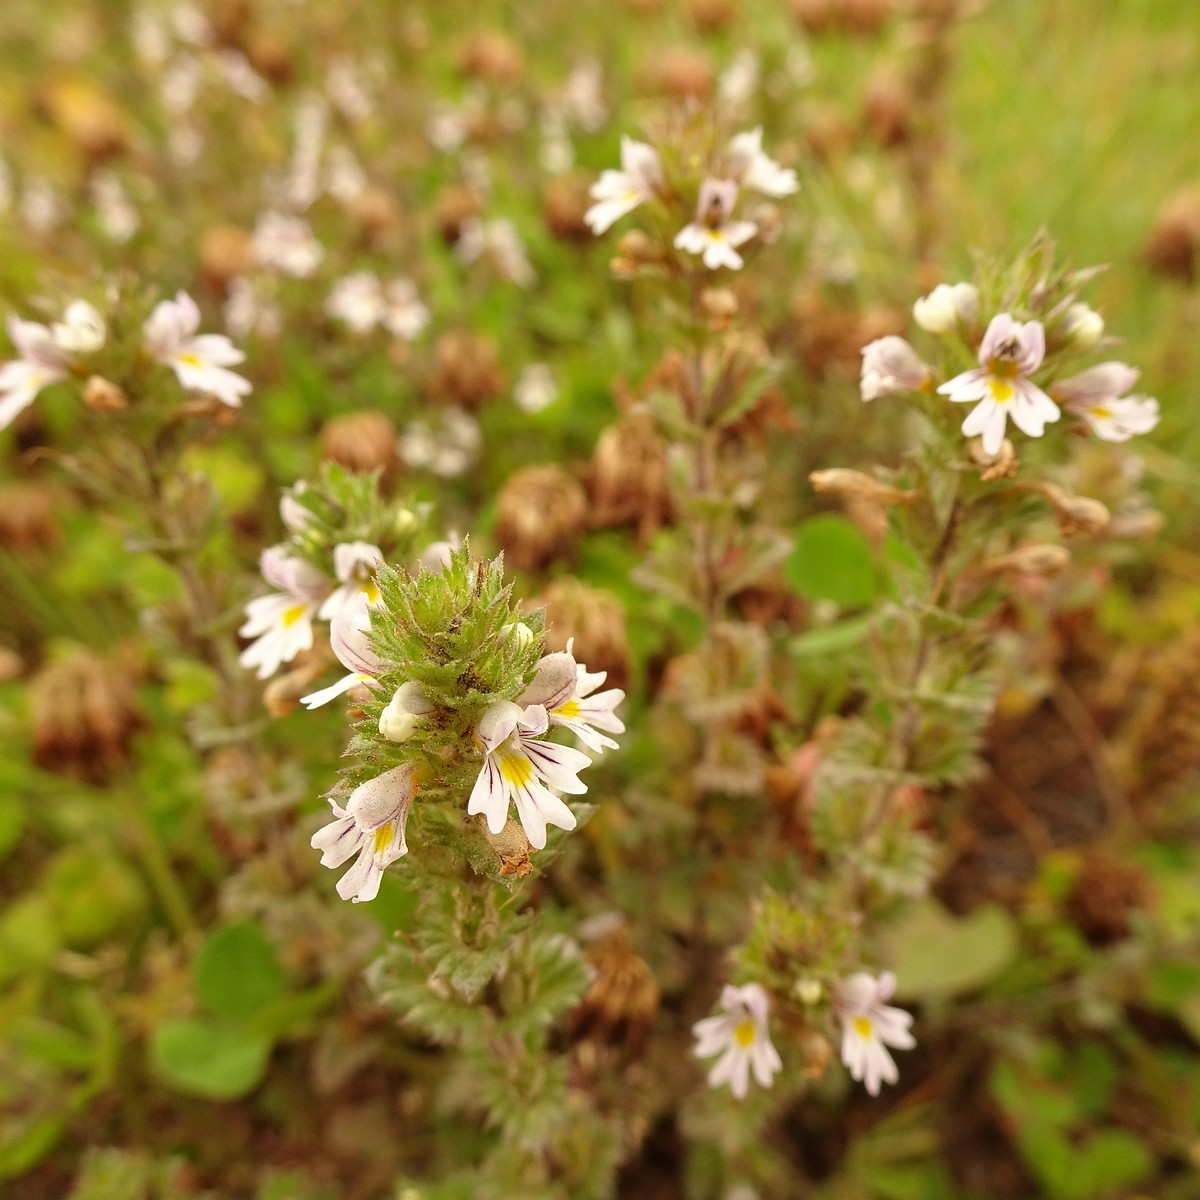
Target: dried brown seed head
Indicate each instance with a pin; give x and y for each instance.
(542, 513)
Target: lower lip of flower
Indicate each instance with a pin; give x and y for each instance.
(743, 1033)
(862, 1026)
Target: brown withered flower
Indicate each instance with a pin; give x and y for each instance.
(628, 477)
(466, 370)
(226, 252)
(678, 72)
(620, 1006)
(595, 619)
(493, 57)
(1103, 894)
(453, 207)
(29, 516)
(1173, 245)
(376, 210)
(542, 512)
(564, 204)
(888, 107)
(361, 442)
(84, 715)
(712, 16)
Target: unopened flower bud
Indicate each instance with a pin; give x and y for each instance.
(1040, 558)
(947, 307)
(807, 990)
(404, 522)
(101, 395)
(1081, 327)
(518, 630)
(398, 721)
(854, 485)
(638, 247)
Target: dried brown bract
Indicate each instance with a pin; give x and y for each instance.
(1173, 246)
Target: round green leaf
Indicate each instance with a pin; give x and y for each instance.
(937, 954)
(237, 972)
(205, 1058)
(832, 560)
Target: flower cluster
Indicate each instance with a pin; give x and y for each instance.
(50, 353)
(868, 1027)
(1015, 378)
(459, 690)
(325, 566)
(714, 233)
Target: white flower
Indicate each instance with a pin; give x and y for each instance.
(740, 1036)
(81, 330)
(1082, 326)
(889, 366)
(1098, 396)
(372, 825)
(404, 316)
(118, 218)
(248, 310)
(350, 640)
(357, 300)
(281, 623)
(284, 242)
(399, 719)
(713, 234)
(619, 192)
(517, 767)
(41, 363)
(752, 169)
(200, 361)
(436, 556)
(535, 388)
(354, 565)
(564, 688)
(947, 307)
(869, 1026)
(1010, 351)
(500, 242)
(447, 443)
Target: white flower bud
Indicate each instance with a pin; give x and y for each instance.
(808, 991)
(398, 721)
(404, 522)
(1082, 326)
(520, 631)
(947, 306)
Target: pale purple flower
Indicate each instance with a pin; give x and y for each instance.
(869, 1026)
(890, 366)
(200, 361)
(282, 622)
(1098, 395)
(354, 564)
(619, 192)
(740, 1036)
(372, 825)
(285, 242)
(1009, 353)
(350, 640)
(564, 688)
(750, 167)
(41, 362)
(714, 234)
(519, 767)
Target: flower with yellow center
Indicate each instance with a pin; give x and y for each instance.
(521, 768)
(354, 564)
(567, 691)
(1000, 388)
(739, 1035)
(200, 360)
(714, 234)
(372, 825)
(1098, 395)
(619, 192)
(869, 1026)
(281, 623)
